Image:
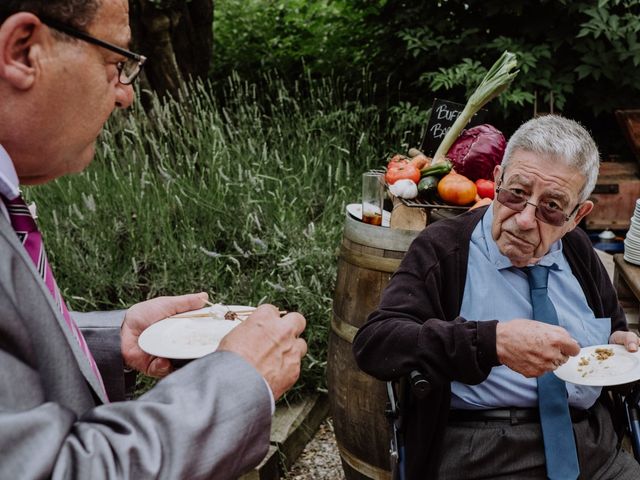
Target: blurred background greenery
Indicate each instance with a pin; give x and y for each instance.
(258, 117)
(245, 202)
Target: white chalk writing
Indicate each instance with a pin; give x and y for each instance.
(438, 131)
(443, 113)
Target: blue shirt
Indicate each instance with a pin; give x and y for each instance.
(8, 180)
(494, 289)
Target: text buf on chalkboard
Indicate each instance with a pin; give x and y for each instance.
(443, 114)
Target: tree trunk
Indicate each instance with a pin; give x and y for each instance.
(177, 39)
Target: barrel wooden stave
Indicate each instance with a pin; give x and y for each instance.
(357, 401)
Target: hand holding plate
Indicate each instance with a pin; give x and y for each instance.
(628, 339)
(142, 315)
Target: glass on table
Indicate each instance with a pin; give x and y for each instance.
(372, 197)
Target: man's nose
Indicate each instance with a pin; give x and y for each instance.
(124, 95)
(527, 218)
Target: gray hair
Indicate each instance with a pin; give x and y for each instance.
(561, 139)
(75, 13)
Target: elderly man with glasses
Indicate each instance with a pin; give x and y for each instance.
(486, 305)
(64, 67)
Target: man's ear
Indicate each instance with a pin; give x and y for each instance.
(497, 171)
(583, 211)
(18, 34)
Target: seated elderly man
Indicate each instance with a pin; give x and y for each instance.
(486, 305)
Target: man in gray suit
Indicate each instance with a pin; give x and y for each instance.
(64, 67)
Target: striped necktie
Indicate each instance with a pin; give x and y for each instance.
(28, 233)
(555, 420)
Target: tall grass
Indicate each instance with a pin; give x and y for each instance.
(242, 196)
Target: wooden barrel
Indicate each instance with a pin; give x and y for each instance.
(368, 257)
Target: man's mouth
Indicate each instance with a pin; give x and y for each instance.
(519, 240)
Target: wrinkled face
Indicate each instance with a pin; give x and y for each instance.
(521, 236)
(77, 92)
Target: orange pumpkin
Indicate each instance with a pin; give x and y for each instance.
(456, 189)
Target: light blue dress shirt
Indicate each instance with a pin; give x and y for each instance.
(495, 290)
(8, 180)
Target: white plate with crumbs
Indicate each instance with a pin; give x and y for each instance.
(193, 334)
(600, 366)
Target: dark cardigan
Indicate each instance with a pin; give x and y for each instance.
(417, 327)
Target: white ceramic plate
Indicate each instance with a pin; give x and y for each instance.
(586, 369)
(355, 210)
(189, 337)
(635, 261)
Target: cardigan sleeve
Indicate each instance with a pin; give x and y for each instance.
(417, 324)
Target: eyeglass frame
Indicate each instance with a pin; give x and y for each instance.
(499, 188)
(79, 34)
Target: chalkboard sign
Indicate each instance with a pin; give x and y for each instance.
(443, 114)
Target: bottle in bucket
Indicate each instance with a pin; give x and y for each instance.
(372, 197)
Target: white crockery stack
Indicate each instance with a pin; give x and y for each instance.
(632, 240)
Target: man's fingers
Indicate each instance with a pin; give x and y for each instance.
(298, 322)
(184, 303)
(569, 347)
(159, 367)
(301, 345)
(628, 339)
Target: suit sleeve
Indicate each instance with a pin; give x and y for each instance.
(101, 330)
(209, 420)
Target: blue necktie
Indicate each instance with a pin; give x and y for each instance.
(555, 420)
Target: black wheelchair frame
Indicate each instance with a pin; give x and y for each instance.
(626, 404)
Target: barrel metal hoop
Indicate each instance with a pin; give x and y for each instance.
(378, 237)
(344, 330)
(362, 467)
(369, 262)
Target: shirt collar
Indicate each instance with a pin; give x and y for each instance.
(9, 183)
(552, 259)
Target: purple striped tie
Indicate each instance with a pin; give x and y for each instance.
(28, 233)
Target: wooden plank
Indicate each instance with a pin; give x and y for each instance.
(628, 273)
(407, 218)
(619, 188)
(292, 427)
(626, 280)
(295, 425)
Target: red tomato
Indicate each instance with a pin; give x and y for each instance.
(402, 171)
(397, 161)
(486, 188)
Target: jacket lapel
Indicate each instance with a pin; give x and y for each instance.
(58, 321)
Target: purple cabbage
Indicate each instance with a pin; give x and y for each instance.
(477, 151)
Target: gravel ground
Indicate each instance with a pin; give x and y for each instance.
(320, 459)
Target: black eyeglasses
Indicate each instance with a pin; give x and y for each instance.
(127, 70)
(544, 211)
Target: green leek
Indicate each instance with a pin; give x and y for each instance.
(493, 84)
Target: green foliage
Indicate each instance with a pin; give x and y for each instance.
(324, 35)
(243, 201)
(582, 56)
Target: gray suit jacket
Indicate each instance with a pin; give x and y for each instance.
(209, 420)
